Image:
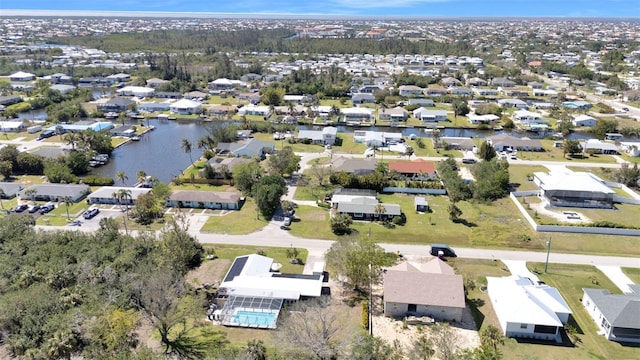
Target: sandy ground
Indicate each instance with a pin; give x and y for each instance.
(558, 214)
(210, 272)
(391, 330)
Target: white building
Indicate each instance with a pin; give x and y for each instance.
(584, 120)
(137, 91)
(357, 114)
(528, 310)
(426, 115)
(617, 316)
(528, 119)
(186, 107)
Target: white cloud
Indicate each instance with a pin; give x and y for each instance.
(363, 4)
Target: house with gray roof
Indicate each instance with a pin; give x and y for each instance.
(117, 104)
(9, 190)
(502, 142)
(365, 208)
(617, 316)
(353, 166)
(249, 148)
(326, 136)
(223, 200)
(424, 289)
(55, 192)
(105, 195)
(363, 98)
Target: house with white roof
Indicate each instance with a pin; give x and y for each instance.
(397, 113)
(186, 107)
(21, 76)
(221, 84)
(376, 138)
(357, 114)
(513, 103)
(12, 126)
(482, 119)
(253, 292)
(599, 147)
(529, 120)
(105, 195)
(426, 115)
(584, 120)
(563, 187)
(617, 316)
(326, 136)
(630, 148)
(526, 309)
(260, 110)
(137, 91)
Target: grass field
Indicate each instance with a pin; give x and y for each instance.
(556, 154)
(519, 174)
(633, 274)
(430, 150)
(244, 221)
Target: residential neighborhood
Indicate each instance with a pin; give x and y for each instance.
(220, 188)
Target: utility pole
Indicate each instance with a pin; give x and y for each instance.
(370, 300)
(546, 263)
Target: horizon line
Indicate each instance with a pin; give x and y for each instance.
(274, 15)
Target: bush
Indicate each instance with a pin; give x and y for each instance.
(98, 181)
(399, 219)
(365, 315)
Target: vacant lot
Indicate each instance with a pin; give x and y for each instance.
(232, 222)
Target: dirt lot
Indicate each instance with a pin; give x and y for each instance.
(210, 272)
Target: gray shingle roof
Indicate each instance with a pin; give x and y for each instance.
(620, 310)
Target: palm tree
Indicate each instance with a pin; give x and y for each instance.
(141, 176)
(122, 176)
(31, 193)
(186, 147)
(1, 197)
(379, 209)
(71, 139)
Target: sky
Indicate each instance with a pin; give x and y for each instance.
(373, 8)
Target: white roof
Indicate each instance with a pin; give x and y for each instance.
(11, 124)
(185, 104)
(222, 81)
(256, 279)
(356, 110)
(564, 179)
(517, 300)
(486, 117)
(107, 192)
(21, 74)
(526, 113)
(136, 89)
(583, 117)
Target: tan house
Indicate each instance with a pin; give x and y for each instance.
(424, 289)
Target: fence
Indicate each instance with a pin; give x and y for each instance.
(566, 228)
(391, 189)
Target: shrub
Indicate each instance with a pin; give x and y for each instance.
(399, 219)
(98, 181)
(365, 315)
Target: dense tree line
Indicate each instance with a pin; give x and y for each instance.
(73, 293)
(277, 40)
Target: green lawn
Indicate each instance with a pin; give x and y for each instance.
(569, 280)
(230, 252)
(58, 216)
(312, 192)
(236, 222)
(337, 103)
(519, 174)
(633, 274)
(216, 99)
(430, 150)
(556, 154)
(314, 223)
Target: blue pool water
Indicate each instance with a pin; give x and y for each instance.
(254, 318)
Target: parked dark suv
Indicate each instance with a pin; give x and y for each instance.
(441, 250)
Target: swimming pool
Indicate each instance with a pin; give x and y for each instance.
(253, 318)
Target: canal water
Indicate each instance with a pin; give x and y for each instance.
(158, 153)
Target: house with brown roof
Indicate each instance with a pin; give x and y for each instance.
(418, 169)
(423, 289)
(205, 200)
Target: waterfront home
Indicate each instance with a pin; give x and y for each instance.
(458, 143)
(116, 104)
(584, 120)
(153, 106)
(62, 88)
(528, 310)
(10, 100)
(125, 131)
(429, 289)
(223, 167)
(326, 136)
(599, 147)
(529, 120)
(252, 148)
(357, 114)
(223, 200)
(476, 119)
(254, 110)
(397, 113)
(137, 91)
(221, 110)
(185, 107)
(426, 115)
(105, 195)
(376, 138)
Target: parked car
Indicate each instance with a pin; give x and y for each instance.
(441, 250)
(46, 208)
(469, 161)
(34, 208)
(21, 208)
(91, 213)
